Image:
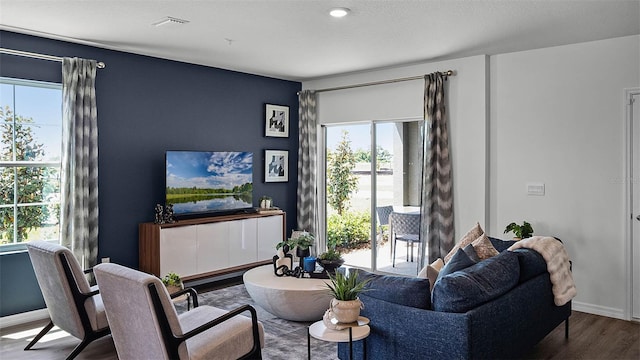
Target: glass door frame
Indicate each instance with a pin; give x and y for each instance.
(322, 183)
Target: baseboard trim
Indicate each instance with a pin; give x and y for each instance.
(23, 318)
(598, 310)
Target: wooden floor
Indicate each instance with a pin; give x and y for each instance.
(590, 337)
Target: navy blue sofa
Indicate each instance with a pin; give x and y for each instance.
(477, 313)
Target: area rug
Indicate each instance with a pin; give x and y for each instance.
(284, 339)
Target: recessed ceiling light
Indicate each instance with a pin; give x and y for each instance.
(339, 12)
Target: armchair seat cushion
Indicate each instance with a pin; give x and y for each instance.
(228, 340)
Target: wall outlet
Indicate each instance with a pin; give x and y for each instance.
(105, 260)
(535, 189)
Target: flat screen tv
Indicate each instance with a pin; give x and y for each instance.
(208, 183)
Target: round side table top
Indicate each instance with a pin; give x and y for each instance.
(360, 330)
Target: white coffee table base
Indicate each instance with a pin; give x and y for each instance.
(288, 298)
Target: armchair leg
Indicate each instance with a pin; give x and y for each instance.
(79, 348)
(40, 335)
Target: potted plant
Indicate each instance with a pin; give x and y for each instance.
(330, 260)
(172, 282)
(345, 305)
(265, 202)
(520, 231)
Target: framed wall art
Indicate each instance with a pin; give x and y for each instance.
(277, 121)
(276, 166)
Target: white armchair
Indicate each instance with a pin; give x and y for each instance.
(74, 306)
(145, 325)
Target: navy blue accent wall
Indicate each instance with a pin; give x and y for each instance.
(146, 106)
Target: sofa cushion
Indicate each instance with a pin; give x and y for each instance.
(467, 239)
(413, 292)
(431, 272)
(466, 289)
(484, 248)
(501, 245)
(532, 263)
(459, 261)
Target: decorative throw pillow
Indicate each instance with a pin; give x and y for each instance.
(470, 250)
(457, 262)
(467, 289)
(467, 239)
(431, 272)
(484, 248)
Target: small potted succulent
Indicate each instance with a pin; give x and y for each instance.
(265, 202)
(345, 305)
(330, 260)
(520, 231)
(172, 282)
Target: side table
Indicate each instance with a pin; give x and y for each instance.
(355, 331)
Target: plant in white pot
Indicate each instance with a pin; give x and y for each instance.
(172, 282)
(345, 305)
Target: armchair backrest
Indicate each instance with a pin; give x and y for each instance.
(49, 262)
(128, 302)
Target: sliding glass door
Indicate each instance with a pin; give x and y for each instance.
(365, 188)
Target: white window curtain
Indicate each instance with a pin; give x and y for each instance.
(79, 178)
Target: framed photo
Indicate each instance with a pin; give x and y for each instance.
(277, 121)
(276, 166)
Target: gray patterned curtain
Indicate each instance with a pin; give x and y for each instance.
(437, 225)
(307, 206)
(79, 179)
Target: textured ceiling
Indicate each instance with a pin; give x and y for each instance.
(297, 40)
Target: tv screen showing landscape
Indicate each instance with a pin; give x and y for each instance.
(201, 182)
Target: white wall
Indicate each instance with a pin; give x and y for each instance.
(557, 117)
(467, 112)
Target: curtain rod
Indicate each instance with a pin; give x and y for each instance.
(100, 64)
(381, 82)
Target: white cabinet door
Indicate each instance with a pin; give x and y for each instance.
(242, 241)
(178, 251)
(213, 246)
(269, 235)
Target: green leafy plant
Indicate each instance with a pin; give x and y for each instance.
(302, 242)
(520, 231)
(331, 255)
(172, 279)
(346, 287)
(349, 230)
(341, 182)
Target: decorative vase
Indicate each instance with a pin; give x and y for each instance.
(330, 266)
(301, 254)
(346, 311)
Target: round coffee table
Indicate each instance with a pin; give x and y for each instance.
(287, 297)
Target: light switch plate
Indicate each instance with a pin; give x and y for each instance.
(536, 189)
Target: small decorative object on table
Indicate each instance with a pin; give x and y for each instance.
(301, 241)
(172, 282)
(345, 305)
(330, 261)
(520, 231)
(265, 202)
(164, 214)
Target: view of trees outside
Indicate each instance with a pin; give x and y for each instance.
(29, 173)
(348, 191)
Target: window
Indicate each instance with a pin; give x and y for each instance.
(30, 153)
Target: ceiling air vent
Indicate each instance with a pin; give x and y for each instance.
(170, 20)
